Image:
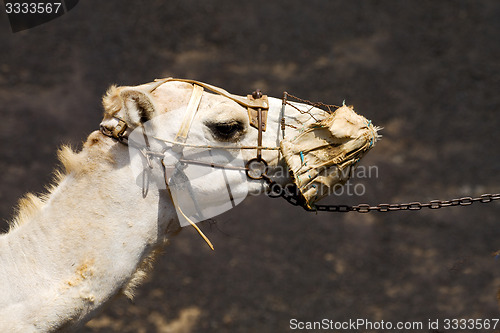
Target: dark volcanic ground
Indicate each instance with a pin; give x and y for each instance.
(427, 71)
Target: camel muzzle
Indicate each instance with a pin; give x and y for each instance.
(324, 154)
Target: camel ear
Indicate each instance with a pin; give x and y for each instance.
(137, 106)
(132, 105)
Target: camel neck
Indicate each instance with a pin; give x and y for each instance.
(80, 247)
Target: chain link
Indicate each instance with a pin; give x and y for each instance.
(292, 196)
(433, 204)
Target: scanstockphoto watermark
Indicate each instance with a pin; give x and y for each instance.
(354, 324)
(362, 324)
(353, 186)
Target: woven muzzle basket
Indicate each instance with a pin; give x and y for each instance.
(323, 155)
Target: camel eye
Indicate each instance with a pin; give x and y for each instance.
(227, 131)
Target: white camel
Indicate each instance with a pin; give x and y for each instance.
(94, 235)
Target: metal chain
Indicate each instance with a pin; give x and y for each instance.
(292, 197)
(433, 204)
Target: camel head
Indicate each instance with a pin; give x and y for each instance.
(202, 143)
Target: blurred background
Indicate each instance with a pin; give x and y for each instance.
(426, 71)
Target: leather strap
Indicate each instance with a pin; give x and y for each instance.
(192, 107)
(251, 103)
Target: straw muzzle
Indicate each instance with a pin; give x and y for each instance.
(325, 153)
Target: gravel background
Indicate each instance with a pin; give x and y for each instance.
(427, 71)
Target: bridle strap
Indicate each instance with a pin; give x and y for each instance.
(192, 107)
(251, 103)
(259, 135)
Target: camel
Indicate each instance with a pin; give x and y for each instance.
(94, 235)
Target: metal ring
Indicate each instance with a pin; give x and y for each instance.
(259, 173)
